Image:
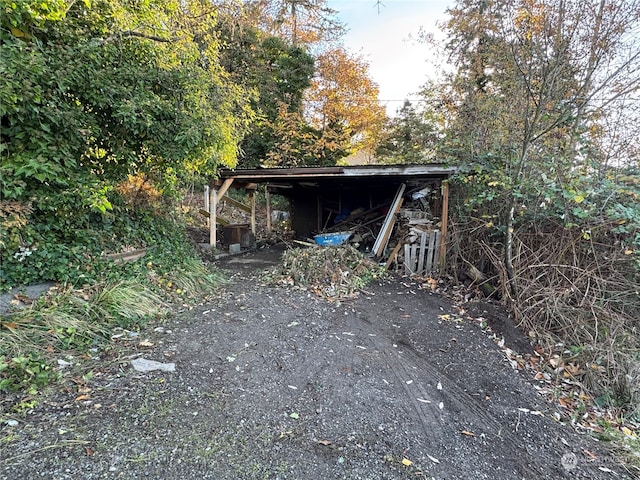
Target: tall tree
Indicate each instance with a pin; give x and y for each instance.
(302, 22)
(94, 91)
(535, 79)
(342, 102)
(410, 137)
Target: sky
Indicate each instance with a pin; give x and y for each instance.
(398, 64)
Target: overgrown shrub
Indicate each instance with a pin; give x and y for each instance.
(577, 275)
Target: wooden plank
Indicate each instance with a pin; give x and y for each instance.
(394, 254)
(407, 259)
(267, 199)
(431, 252)
(423, 244)
(225, 186)
(213, 225)
(387, 226)
(387, 232)
(444, 220)
(252, 210)
(221, 220)
(414, 259)
(237, 204)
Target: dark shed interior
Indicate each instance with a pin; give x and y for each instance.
(323, 196)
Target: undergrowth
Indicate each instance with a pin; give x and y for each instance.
(93, 295)
(577, 298)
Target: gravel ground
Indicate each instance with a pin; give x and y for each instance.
(275, 383)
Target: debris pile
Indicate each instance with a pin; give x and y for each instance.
(403, 232)
(334, 273)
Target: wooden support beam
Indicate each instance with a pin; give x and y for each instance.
(394, 255)
(252, 210)
(213, 207)
(444, 219)
(225, 186)
(267, 198)
(236, 203)
(219, 218)
(387, 226)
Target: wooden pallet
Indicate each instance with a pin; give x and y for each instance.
(421, 258)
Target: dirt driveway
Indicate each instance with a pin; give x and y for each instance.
(274, 383)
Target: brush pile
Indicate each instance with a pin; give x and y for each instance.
(334, 273)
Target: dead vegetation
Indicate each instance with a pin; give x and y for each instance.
(577, 298)
(334, 273)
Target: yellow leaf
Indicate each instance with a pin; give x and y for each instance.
(628, 251)
(488, 224)
(17, 32)
(493, 184)
(578, 198)
(627, 431)
(406, 462)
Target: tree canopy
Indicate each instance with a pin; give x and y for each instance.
(99, 90)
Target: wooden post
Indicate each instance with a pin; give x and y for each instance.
(206, 201)
(319, 212)
(252, 202)
(267, 199)
(213, 207)
(443, 227)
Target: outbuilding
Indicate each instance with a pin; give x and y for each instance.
(368, 200)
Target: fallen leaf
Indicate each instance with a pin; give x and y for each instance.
(555, 361)
(589, 454)
(80, 398)
(9, 325)
(324, 442)
(468, 433)
(565, 402)
(145, 344)
(294, 415)
(406, 462)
